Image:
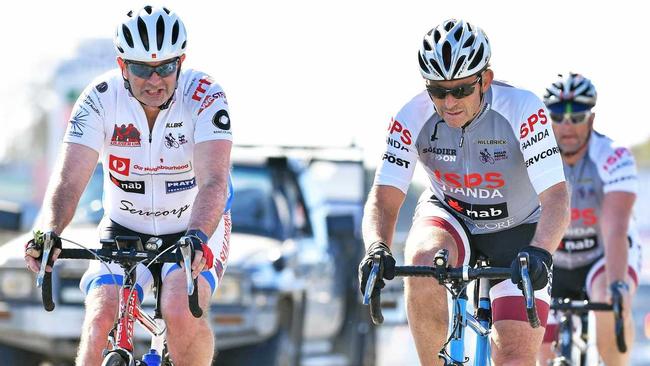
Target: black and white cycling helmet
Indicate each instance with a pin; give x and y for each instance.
(573, 88)
(453, 50)
(150, 34)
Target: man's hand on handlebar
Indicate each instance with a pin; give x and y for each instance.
(540, 263)
(386, 266)
(203, 257)
(34, 250)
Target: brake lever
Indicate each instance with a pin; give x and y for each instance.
(372, 279)
(186, 250)
(529, 293)
(45, 258)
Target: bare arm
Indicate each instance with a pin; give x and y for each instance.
(615, 217)
(69, 178)
(380, 214)
(554, 219)
(212, 167)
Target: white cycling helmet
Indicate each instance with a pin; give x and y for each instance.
(150, 34)
(574, 88)
(453, 50)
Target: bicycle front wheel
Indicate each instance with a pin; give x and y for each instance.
(114, 359)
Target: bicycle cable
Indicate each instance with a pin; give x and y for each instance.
(457, 325)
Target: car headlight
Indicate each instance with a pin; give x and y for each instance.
(17, 285)
(229, 291)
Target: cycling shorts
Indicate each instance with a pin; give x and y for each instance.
(500, 248)
(99, 274)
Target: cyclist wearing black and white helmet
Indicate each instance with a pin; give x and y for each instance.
(601, 248)
(493, 164)
(164, 139)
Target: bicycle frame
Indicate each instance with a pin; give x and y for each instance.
(130, 311)
(456, 280)
(129, 254)
(480, 324)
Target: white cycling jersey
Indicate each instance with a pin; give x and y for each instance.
(604, 168)
(489, 173)
(149, 180)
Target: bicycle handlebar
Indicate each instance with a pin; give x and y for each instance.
(448, 275)
(582, 306)
(44, 279)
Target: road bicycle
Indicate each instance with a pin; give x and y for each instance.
(128, 252)
(456, 281)
(573, 346)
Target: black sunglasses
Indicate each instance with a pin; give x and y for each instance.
(145, 71)
(458, 92)
(574, 118)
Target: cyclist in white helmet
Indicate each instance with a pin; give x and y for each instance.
(601, 250)
(164, 139)
(493, 164)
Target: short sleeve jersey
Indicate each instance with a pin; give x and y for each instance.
(488, 173)
(149, 180)
(605, 168)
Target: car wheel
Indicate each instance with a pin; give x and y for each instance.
(17, 356)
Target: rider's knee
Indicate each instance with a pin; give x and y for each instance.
(101, 307)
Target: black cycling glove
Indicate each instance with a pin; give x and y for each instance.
(539, 265)
(386, 265)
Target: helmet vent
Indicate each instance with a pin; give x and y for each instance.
(449, 25)
(142, 29)
(436, 36)
(120, 49)
(446, 55)
(148, 9)
(160, 32)
(435, 65)
(459, 63)
(423, 66)
(175, 29)
(127, 35)
(426, 45)
(130, 14)
(575, 86)
(183, 45)
(458, 33)
(469, 27)
(166, 10)
(469, 41)
(477, 59)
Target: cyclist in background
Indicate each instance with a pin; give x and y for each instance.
(601, 250)
(149, 189)
(496, 188)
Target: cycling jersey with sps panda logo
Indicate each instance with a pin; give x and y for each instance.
(149, 181)
(490, 172)
(604, 168)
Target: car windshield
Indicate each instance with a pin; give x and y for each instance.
(253, 209)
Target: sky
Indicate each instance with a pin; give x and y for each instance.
(334, 72)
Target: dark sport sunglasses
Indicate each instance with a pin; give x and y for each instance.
(458, 92)
(574, 118)
(576, 113)
(145, 71)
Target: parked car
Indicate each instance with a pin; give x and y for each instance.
(289, 295)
